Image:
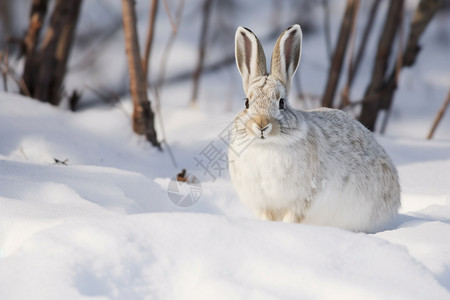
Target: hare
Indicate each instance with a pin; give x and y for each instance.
(314, 167)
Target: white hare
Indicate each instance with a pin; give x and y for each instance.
(315, 167)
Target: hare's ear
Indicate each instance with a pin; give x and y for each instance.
(286, 55)
(250, 58)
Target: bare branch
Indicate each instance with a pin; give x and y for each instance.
(172, 23)
(362, 45)
(161, 78)
(387, 101)
(339, 53)
(17, 80)
(382, 93)
(326, 21)
(439, 116)
(370, 108)
(346, 91)
(201, 50)
(424, 13)
(106, 97)
(4, 69)
(167, 48)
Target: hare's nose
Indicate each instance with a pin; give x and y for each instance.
(267, 128)
(262, 131)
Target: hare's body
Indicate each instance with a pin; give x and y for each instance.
(317, 167)
(317, 180)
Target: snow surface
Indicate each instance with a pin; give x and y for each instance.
(103, 227)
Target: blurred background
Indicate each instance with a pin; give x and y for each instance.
(376, 59)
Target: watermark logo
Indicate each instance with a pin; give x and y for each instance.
(184, 190)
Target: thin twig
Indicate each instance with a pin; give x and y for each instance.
(369, 112)
(201, 50)
(326, 18)
(398, 67)
(170, 41)
(150, 35)
(17, 79)
(346, 91)
(172, 23)
(106, 98)
(365, 37)
(23, 153)
(23, 87)
(339, 53)
(161, 77)
(4, 71)
(439, 116)
(172, 157)
(91, 55)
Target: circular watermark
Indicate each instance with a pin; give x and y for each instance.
(184, 191)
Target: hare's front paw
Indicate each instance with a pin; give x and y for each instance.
(267, 215)
(291, 217)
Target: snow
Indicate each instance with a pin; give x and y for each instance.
(200, 256)
(100, 224)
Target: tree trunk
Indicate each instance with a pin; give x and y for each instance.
(345, 95)
(383, 96)
(55, 51)
(143, 117)
(201, 50)
(339, 52)
(5, 20)
(372, 97)
(423, 15)
(30, 70)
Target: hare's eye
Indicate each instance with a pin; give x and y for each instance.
(281, 103)
(246, 102)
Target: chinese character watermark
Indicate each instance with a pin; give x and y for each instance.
(213, 160)
(185, 189)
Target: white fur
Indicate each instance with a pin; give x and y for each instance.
(317, 167)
